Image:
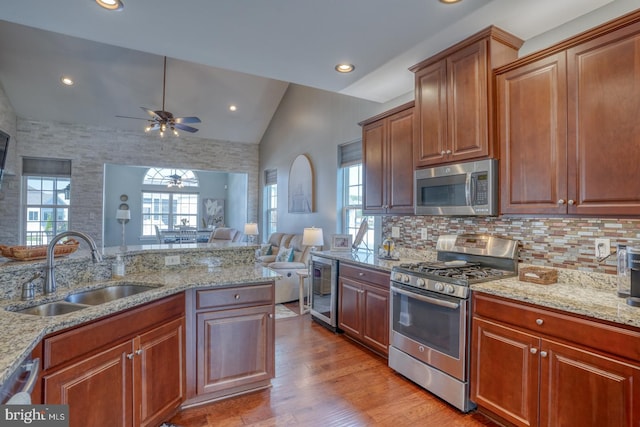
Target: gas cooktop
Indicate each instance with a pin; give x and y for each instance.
(469, 272)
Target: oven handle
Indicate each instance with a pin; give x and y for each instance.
(424, 298)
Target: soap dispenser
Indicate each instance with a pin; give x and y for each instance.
(117, 269)
(623, 278)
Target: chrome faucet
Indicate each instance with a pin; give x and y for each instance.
(50, 278)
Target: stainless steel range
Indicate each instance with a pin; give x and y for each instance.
(430, 314)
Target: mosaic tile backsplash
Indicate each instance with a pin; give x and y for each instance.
(552, 242)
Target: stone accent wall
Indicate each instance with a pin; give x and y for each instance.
(89, 148)
(553, 242)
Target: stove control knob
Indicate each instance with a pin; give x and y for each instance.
(420, 283)
(397, 276)
(439, 286)
(449, 289)
(406, 278)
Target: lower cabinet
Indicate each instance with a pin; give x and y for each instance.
(363, 306)
(231, 345)
(135, 380)
(561, 370)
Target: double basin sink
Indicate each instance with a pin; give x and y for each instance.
(83, 299)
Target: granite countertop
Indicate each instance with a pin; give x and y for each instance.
(22, 332)
(371, 260)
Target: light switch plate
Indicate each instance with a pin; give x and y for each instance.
(603, 247)
(395, 232)
(424, 233)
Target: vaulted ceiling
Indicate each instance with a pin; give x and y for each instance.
(224, 52)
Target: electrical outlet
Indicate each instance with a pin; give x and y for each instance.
(172, 260)
(395, 232)
(424, 233)
(603, 247)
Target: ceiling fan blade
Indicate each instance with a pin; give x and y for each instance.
(129, 117)
(152, 113)
(185, 128)
(187, 120)
(154, 126)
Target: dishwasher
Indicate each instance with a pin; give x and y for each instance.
(17, 388)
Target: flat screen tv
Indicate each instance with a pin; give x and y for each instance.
(4, 143)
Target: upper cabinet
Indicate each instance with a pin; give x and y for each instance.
(453, 98)
(568, 125)
(387, 151)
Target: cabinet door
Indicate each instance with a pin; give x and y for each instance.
(235, 348)
(159, 386)
(504, 372)
(430, 136)
(399, 162)
(467, 104)
(604, 130)
(532, 127)
(373, 148)
(375, 326)
(349, 307)
(581, 388)
(106, 377)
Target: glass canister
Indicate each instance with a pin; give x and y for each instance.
(624, 276)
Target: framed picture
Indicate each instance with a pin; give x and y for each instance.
(341, 242)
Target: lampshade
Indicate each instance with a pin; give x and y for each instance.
(312, 237)
(123, 214)
(251, 229)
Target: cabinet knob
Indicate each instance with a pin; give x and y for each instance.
(543, 354)
(270, 316)
(236, 296)
(448, 151)
(533, 350)
(561, 202)
(139, 352)
(130, 356)
(539, 322)
(570, 202)
(421, 349)
(442, 153)
(360, 274)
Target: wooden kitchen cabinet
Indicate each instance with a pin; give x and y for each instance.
(127, 369)
(537, 367)
(454, 98)
(363, 306)
(231, 348)
(387, 147)
(567, 125)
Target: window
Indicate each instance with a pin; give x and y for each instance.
(47, 186)
(350, 157)
(166, 203)
(271, 201)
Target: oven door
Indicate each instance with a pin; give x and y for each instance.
(430, 327)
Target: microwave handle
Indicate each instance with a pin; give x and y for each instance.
(467, 189)
(473, 179)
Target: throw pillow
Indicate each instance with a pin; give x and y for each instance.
(265, 249)
(285, 255)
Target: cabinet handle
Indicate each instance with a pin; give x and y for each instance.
(539, 322)
(130, 356)
(270, 316)
(543, 354)
(442, 153)
(360, 274)
(448, 151)
(236, 296)
(139, 352)
(533, 350)
(570, 202)
(561, 202)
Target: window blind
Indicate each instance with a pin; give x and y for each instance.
(350, 153)
(270, 176)
(32, 166)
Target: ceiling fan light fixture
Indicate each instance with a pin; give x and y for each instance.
(114, 5)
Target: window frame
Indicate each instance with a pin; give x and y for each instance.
(55, 222)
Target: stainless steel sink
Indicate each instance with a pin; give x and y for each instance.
(110, 293)
(51, 309)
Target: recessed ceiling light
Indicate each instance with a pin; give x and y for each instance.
(66, 81)
(345, 68)
(110, 4)
(449, 1)
(232, 108)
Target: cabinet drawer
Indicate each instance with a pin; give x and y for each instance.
(593, 334)
(235, 297)
(86, 339)
(365, 275)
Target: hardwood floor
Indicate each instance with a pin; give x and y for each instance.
(323, 379)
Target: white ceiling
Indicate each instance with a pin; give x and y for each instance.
(241, 52)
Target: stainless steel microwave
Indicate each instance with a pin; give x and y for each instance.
(469, 188)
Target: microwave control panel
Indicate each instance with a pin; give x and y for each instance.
(481, 193)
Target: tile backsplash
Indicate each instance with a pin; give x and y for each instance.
(553, 242)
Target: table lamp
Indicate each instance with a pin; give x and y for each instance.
(312, 237)
(251, 230)
(123, 216)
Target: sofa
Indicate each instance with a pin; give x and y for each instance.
(287, 287)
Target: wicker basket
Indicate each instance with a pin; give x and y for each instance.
(30, 253)
(539, 275)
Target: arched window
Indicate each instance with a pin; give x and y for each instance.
(169, 200)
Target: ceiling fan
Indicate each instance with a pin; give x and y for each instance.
(163, 120)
